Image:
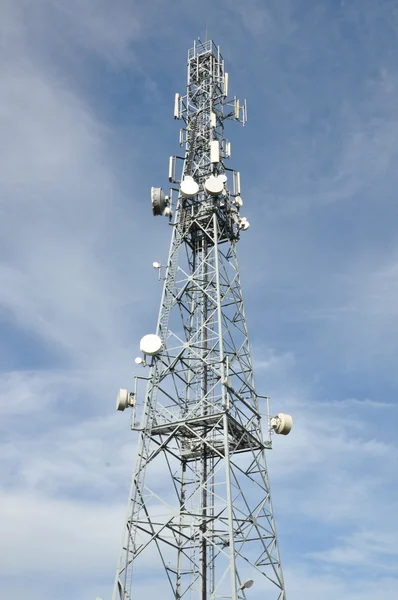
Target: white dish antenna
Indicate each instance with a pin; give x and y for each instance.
(214, 185)
(124, 399)
(151, 344)
(244, 224)
(282, 423)
(189, 188)
(158, 200)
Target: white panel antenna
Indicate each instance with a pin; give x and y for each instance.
(213, 120)
(236, 183)
(227, 149)
(214, 151)
(225, 84)
(237, 109)
(172, 169)
(177, 114)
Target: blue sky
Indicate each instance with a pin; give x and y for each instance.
(86, 100)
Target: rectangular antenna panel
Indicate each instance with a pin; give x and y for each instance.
(227, 149)
(225, 84)
(213, 119)
(172, 168)
(177, 106)
(236, 183)
(237, 108)
(214, 151)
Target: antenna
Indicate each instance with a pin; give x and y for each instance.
(151, 344)
(215, 151)
(177, 106)
(236, 183)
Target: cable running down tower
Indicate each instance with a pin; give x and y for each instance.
(200, 523)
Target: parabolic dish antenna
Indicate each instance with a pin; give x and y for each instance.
(214, 185)
(151, 344)
(283, 424)
(223, 177)
(189, 188)
(158, 200)
(122, 399)
(243, 224)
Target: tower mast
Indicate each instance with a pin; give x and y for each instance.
(200, 523)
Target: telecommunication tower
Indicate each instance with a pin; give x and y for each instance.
(200, 523)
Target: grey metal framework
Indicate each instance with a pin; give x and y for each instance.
(200, 523)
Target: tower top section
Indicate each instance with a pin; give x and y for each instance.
(206, 184)
(200, 47)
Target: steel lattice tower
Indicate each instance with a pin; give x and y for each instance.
(200, 522)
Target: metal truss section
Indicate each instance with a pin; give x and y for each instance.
(200, 522)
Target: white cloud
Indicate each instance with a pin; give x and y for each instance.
(311, 584)
(57, 534)
(271, 361)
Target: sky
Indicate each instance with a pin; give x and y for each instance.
(86, 115)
